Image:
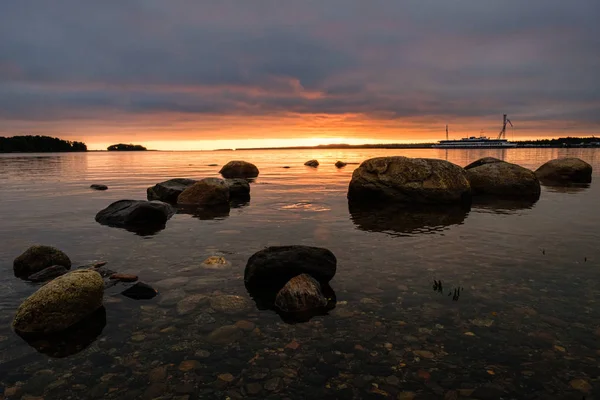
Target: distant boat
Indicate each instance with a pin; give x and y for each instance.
(478, 142)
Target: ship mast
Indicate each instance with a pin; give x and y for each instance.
(502, 134)
(446, 131)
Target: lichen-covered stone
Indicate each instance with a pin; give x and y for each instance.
(37, 258)
(60, 303)
(239, 169)
(410, 181)
(302, 293)
(565, 171)
(503, 179)
(206, 192)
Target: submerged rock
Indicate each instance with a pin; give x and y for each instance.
(229, 304)
(274, 266)
(409, 180)
(503, 179)
(312, 163)
(216, 262)
(340, 164)
(98, 187)
(206, 192)
(140, 291)
(238, 188)
(225, 335)
(168, 191)
(48, 274)
(239, 169)
(136, 215)
(302, 293)
(60, 303)
(564, 171)
(37, 258)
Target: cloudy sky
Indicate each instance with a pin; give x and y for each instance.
(206, 74)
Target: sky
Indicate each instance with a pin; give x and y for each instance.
(196, 74)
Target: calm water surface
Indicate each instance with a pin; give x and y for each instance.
(526, 324)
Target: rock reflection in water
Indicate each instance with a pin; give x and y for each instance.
(70, 341)
(568, 189)
(502, 205)
(403, 219)
(205, 213)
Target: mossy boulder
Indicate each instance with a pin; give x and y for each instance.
(168, 191)
(37, 258)
(410, 181)
(564, 171)
(239, 169)
(503, 179)
(206, 192)
(60, 303)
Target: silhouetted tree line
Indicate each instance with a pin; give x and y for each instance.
(564, 141)
(38, 144)
(126, 147)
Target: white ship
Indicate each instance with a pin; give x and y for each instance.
(478, 142)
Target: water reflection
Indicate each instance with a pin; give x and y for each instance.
(569, 189)
(72, 340)
(502, 205)
(140, 230)
(402, 219)
(205, 213)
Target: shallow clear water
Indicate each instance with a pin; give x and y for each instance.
(526, 324)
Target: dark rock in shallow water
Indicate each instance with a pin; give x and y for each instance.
(37, 258)
(312, 163)
(168, 191)
(238, 189)
(275, 266)
(409, 181)
(239, 169)
(483, 161)
(340, 164)
(503, 179)
(406, 219)
(139, 216)
(48, 274)
(563, 171)
(302, 293)
(71, 340)
(98, 187)
(206, 192)
(140, 291)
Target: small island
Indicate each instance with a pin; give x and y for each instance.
(126, 147)
(38, 144)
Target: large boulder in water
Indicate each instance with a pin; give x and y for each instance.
(168, 191)
(37, 258)
(300, 294)
(410, 181)
(482, 161)
(206, 192)
(274, 266)
(60, 303)
(239, 169)
(565, 171)
(239, 189)
(503, 179)
(136, 215)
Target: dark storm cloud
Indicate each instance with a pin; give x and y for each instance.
(76, 59)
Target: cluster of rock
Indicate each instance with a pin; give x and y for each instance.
(210, 197)
(292, 280)
(315, 164)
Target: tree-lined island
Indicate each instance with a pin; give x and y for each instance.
(38, 144)
(126, 147)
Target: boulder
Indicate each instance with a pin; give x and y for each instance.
(503, 179)
(206, 192)
(37, 258)
(140, 291)
(312, 163)
(482, 161)
(564, 171)
(239, 169)
(136, 214)
(238, 188)
(410, 181)
(340, 164)
(168, 191)
(48, 274)
(60, 303)
(302, 293)
(274, 266)
(98, 187)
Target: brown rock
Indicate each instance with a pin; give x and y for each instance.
(158, 374)
(225, 335)
(37, 258)
(227, 378)
(206, 192)
(503, 179)
(239, 169)
(245, 325)
(229, 304)
(301, 293)
(564, 171)
(581, 385)
(424, 354)
(312, 163)
(124, 277)
(293, 345)
(189, 365)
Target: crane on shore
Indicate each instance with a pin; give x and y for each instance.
(502, 134)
